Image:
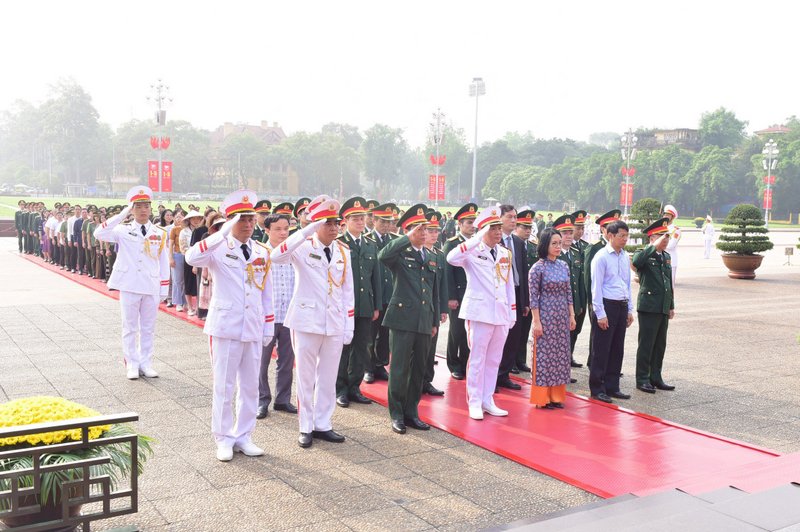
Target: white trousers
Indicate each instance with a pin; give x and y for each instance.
(709, 244)
(317, 360)
(486, 343)
(139, 313)
(674, 274)
(234, 362)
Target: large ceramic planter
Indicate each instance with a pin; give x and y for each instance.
(741, 266)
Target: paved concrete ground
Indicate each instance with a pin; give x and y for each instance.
(733, 353)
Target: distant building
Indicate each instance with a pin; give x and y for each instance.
(277, 179)
(661, 138)
(773, 130)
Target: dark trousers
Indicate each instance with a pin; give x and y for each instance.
(355, 359)
(652, 345)
(99, 264)
(592, 327)
(510, 348)
(19, 241)
(379, 343)
(283, 368)
(406, 372)
(524, 334)
(457, 346)
(573, 335)
(89, 254)
(609, 348)
(429, 363)
(80, 258)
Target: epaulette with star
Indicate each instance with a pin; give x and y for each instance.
(262, 245)
(452, 238)
(370, 237)
(159, 227)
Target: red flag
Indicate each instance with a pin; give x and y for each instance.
(626, 194)
(164, 143)
(768, 198)
(166, 176)
(154, 142)
(152, 175)
(631, 171)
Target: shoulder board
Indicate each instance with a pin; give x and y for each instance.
(369, 237)
(396, 235)
(342, 243)
(262, 245)
(159, 227)
(452, 238)
(126, 223)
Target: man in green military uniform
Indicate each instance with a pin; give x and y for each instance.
(299, 211)
(523, 231)
(455, 286)
(588, 255)
(263, 208)
(18, 225)
(412, 317)
(577, 271)
(432, 245)
(656, 306)
(383, 218)
(368, 299)
(370, 222)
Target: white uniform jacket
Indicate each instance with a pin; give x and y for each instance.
(241, 303)
(672, 246)
(323, 297)
(142, 265)
(490, 296)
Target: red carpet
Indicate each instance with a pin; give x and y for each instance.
(603, 449)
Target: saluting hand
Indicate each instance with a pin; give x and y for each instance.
(227, 227)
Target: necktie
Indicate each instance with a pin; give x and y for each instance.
(422, 254)
(245, 252)
(144, 230)
(494, 254)
(328, 254)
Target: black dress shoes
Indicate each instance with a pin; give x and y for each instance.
(369, 377)
(646, 388)
(360, 399)
(381, 374)
(575, 364)
(328, 435)
(619, 395)
(342, 401)
(262, 412)
(398, 426)
(663, 386)
(304, 440)
(524, 368)
(430, 389)
(288, 407)
(457, 375)
(556, 405)
(416, 423)
(508, 383)
(602, 397)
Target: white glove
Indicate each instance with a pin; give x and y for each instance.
(483, 231)
(348, 337)
(266, 340)
(312, 227)
(227, 227)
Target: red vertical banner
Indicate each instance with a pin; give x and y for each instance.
(768, 198)
(630, 193)
(432, 187)
(626, 194)
(152, 175)
(441, 188)
(166, 176)
(436, 187)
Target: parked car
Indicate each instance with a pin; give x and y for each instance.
(191, 196)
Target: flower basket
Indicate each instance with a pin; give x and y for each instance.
(743, 237)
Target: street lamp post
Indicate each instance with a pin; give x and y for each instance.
(160, 97)
(477, 88)
(770, 161)
(437, 141)
(628, 151)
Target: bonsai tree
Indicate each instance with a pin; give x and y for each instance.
(744, 232)
(643, 213)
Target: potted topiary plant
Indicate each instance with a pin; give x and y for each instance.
(743, 237)
(698, 222)
(113, 459)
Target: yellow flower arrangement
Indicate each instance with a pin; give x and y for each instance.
(43, 409)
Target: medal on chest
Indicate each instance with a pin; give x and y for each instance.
(153, 241)
(258, 269)
(331, 281)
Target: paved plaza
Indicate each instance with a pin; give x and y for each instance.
(733, 353)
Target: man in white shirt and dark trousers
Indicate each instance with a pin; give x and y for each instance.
(320, 315)
(141, 274)
(613, 306)
(240, 320)
(276, 230)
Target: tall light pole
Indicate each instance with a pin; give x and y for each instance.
(437, 141)
(477, 88)
(160, 97)
(628, 151)
(770, 161)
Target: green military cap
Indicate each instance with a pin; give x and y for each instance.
(300, 206)
(284, 208)
(609, 217)
(525, 217)
(263, 206)
(353, 206)
(414, 215)
(579, 217)
(385, 211)
(468, 210)
(565, 222)
(434, 218)
(660, 226)
(371, 204)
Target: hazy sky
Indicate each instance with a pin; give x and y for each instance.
(558, 69)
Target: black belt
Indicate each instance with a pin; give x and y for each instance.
(621, 302)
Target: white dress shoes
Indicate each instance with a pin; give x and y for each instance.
(475, 412)
(150, 373)
(132, 372)
(493, 410)
(224, 452)
(248, 448)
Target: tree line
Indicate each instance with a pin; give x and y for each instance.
(63, 141)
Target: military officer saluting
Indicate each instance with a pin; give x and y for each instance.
(671, 213)
(655, 306)
(320, 315)
(412, 317)
(367, 289)
(263, 208)
(456, 285)
(141, 274)
(489, 308)
(240, 320)
(433, 232)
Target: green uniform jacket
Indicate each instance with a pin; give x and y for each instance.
(531, 254)
(414, 305)
(259, 234)
(441, 265)
(588, 255)
(366, 275)
(18, 220)
(455, 283)
(579, 299)
(655, 281)
(386, 274)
